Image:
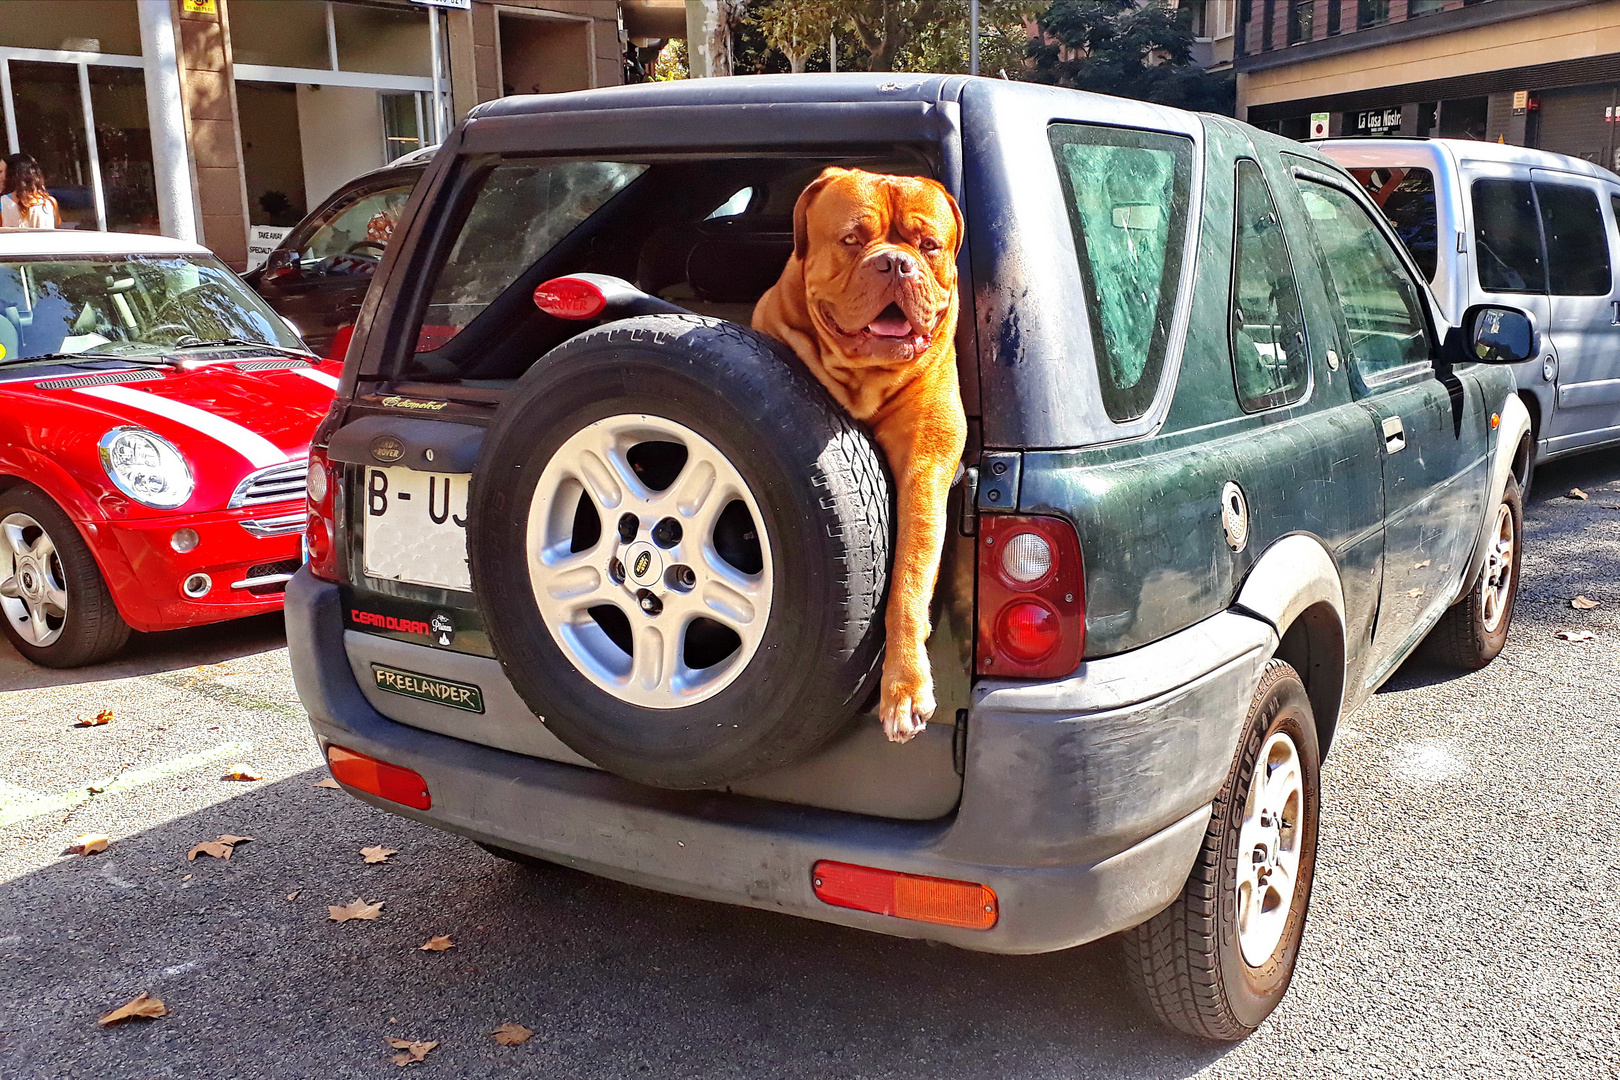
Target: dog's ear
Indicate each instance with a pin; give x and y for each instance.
(956, 212)
(801, 209)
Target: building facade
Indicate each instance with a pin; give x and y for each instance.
(206, 119)
(1540, 73)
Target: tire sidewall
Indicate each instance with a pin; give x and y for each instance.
(1252, 993)
(771, 712)
(1491, 643)
(80, 576)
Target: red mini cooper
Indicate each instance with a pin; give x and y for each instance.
(155, 418)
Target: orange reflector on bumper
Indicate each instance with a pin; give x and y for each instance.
(906, 896)
(379, 778)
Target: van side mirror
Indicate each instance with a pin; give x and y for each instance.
(1500, 335)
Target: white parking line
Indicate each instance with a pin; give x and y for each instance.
(20, 804)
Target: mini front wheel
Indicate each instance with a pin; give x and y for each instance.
(1219, 959)
(57, 610)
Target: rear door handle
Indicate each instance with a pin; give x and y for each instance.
(1394, 435)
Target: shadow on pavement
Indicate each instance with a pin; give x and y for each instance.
(615, 981)
(147, 654)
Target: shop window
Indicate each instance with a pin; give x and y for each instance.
(1333, 17)
(1424, 7)
(1371, 13)
(1407, 198)
(280, 34)
(124, 148)
(1507, 237)
(1270, 359)
(50, 128)
(1127, 199)
(385, 41)
(105, 26)
(1301, 21)
(1577, 242)
(402, 124)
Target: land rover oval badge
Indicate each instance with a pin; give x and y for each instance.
(386, 448)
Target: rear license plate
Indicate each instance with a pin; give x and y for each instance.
(416, 527)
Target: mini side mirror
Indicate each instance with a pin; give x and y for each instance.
(1500, 335)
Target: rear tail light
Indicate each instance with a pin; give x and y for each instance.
(391, 782)
(906, 896)
(1032, 597)
(320, 533)
(570, 298)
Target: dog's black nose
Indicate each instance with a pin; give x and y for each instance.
(897, 264)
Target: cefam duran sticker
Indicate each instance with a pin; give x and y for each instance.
(412, 684)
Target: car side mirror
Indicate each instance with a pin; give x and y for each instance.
(281, 265)
(1500, 335)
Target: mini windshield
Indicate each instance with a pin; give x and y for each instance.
(128, 305)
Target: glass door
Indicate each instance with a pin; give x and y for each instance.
(51, 130)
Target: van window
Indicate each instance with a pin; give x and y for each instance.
(1507, 237)
(1407, 198)
(1577, 241)
(1270, 362)
(1126, 193)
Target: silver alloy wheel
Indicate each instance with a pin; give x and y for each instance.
(1269, 848)
(1496, 583)
(33, 590)
(662, 586)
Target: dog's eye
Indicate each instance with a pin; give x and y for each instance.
(929, 244)
(852, 239)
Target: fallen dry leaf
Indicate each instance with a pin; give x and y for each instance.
(414, 1051)
(87, 844)
(1576, 493)
(328, 782)
(1584, 603)
(1575, 635)
(1421, 565)
(510, 1034)
(219, 849)
(1414, 592)
(188, 877)
(144, 1007)
(242, 772)
(437, 944)
(294, 894)
(378, 853)
(102, 717)
(357, 910)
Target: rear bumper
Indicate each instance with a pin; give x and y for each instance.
(1083, 806)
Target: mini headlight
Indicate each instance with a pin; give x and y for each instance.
(146, 467)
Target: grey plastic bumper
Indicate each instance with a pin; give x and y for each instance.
(1083, 807)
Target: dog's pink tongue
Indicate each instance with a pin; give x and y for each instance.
(891, 322)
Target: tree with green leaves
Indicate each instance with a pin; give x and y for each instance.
(1127, 48)
(797, 28)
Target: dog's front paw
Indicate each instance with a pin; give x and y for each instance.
(907, 703)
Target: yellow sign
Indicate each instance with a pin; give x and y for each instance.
(200, 7)
(1521, 99)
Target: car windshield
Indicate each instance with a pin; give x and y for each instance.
(128, 306)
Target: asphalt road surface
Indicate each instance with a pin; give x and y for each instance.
(1466, 918)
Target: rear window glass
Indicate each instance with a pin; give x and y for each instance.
(1507, 237)
(709, 234)
(1407, 198)
(1126, 193)
(1577, 242)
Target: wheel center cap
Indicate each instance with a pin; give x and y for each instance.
(643, 565)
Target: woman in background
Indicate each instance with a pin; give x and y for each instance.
(26, 204)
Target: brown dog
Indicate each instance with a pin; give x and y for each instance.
(868, 302)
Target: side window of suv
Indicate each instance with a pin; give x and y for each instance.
(1126, 193)
(360, 228)
(1270, 361)
(1577, 242)
(1507, 237)
(1383, 313)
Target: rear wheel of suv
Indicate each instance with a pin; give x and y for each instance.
(1473, 631)
(56, 606)
(680, 545)
(1219, 959)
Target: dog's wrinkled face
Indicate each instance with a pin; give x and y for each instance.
(879, 255)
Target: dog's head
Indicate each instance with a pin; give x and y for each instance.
(879, 261)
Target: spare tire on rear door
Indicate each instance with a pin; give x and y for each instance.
(680, 546)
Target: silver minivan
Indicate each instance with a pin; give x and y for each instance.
(1491, 222)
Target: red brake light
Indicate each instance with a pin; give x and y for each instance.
(320, 532)
(1032, 601)
(391, 782)
(906, 896)
(570, 298)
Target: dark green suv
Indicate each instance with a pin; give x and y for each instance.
(574, 528)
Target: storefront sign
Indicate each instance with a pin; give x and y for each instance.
(262, 240)
(454, 5)
(1319, 125)
(200, 7)
(1378, 121)
(1521, 99)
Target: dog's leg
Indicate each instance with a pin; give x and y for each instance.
(923, 458)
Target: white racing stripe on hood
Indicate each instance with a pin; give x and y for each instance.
(256, 448)
(321, 377)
